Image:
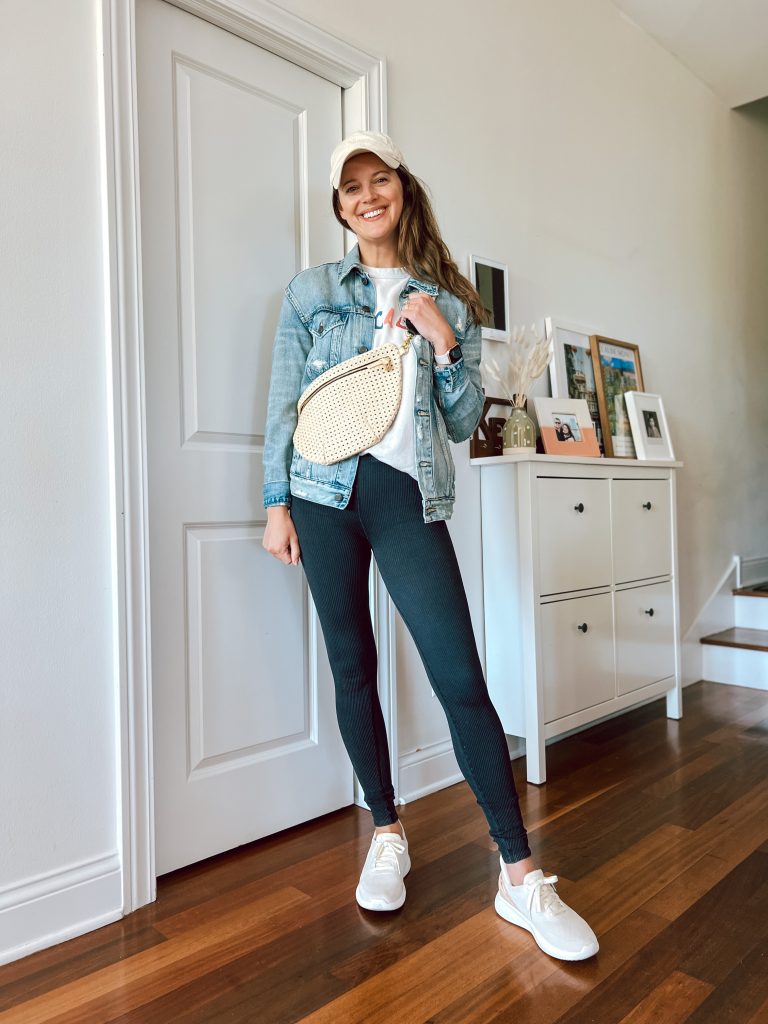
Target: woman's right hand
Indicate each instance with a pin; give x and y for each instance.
(280, 537)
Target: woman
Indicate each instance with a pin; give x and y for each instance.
(394, 500)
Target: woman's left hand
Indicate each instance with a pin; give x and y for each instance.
(422, 311)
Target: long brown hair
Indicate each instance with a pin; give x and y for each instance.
(420, 247)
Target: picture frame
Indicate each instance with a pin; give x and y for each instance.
(558, 415)
(491, 279)
(571, 371)
(617, 370)
(650, 432)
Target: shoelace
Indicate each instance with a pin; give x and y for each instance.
(385, 854)
(547, 899)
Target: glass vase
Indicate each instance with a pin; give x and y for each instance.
(519, 434)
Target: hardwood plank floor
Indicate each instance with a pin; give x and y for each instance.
(657, 829)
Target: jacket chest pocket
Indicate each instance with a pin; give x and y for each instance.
(326, 328)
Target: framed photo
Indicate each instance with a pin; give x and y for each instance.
(492, 281)
(617, 370)
(649, 425)
(571, 372)
(566, 426)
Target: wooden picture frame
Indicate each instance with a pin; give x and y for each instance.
(617, 370)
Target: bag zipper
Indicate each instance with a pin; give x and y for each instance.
(354, 369)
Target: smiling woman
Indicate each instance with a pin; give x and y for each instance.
(392, 500)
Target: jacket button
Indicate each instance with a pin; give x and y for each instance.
(423, 362)
(366, 309)
(422, 412)
(338, 497)
(362, 349)
(364, 279)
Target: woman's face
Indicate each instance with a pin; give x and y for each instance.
(368, 186)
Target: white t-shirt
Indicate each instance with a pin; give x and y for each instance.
(397, 447)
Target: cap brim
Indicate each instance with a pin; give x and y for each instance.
(354, 152)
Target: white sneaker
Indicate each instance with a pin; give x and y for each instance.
(381, 882)
(536, 906)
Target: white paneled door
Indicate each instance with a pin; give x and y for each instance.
(234, 145)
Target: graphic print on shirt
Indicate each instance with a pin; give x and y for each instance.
(383, 320)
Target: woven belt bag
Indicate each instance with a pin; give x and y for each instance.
(351, 406)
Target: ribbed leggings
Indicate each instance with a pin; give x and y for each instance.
(418, 565)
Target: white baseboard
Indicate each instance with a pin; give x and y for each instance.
(43, 911)
(427, 770)
(736, 666)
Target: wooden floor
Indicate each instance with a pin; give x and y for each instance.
(657, 829)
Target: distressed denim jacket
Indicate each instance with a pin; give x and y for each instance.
(327, 316)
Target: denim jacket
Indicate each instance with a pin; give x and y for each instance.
(327, 316)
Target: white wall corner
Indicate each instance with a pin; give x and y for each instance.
(43, 911)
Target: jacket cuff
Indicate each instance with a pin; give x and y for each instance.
(452, 377)
(277, 494)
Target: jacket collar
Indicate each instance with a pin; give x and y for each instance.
(352, 262)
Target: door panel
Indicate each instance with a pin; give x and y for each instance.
(234, 145)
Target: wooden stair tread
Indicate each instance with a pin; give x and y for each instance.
(739, 636)
(752, 590)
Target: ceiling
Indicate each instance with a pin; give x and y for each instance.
(723, 42)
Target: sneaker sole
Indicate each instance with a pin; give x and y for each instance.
(511, 914)
(369, 905)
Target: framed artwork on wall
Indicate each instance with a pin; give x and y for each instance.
(649, 425)
(571, 372)
(491, 279)
(566, 426)
(617, 370)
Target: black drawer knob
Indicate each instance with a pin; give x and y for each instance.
(579, 507)
(649, 611)
(583, 627)
(647, 504)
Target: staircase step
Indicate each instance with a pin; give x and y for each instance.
(753, 590)
(748, 639)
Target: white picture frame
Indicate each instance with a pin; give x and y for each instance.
(491, 279)
(572, 374)
(648, 423)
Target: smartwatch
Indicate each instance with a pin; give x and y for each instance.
(453, 355)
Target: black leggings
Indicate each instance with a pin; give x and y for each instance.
(418, 565)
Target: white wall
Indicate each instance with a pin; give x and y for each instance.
(555, 136)
(57, 735)
(623, 194)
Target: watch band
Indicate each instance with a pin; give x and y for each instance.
(453, 355)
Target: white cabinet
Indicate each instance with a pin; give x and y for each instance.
(577, 654)
(641, 524)
(580, 592)
(574, 516)
(645, 635)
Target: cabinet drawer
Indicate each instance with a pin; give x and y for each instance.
(578, 665)
(574, 534)
(642, 538)
(645, 637)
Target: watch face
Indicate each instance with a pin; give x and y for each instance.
(454, 353)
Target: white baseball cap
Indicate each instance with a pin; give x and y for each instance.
(364, 142)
